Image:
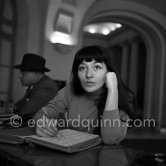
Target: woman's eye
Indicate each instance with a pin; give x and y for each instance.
(81, 68)
(97, 67)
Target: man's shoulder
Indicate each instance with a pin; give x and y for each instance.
(45, 82)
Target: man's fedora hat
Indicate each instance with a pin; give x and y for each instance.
(32, 62)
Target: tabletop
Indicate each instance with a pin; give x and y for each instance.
(101, 155)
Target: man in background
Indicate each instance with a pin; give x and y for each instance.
(40, 87)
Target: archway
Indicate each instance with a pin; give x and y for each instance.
(150, 26)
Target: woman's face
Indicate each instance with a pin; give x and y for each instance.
(92, 75)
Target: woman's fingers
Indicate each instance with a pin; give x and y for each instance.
(52, 131)
(47, 127)
(44, 132)
(40, 132)
(111, 80)
(50, 124)
(53, 125)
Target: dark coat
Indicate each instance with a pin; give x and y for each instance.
(36, 97)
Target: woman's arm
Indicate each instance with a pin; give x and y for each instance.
(53, 108)
(114, 127)
(46, 117)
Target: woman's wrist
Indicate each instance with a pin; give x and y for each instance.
(113, 91)
(112, 101)
(111, 110)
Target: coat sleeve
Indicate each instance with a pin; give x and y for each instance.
(39, 97)
(114, 126)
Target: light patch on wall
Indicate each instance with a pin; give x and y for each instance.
(59, 37)
(63, 27)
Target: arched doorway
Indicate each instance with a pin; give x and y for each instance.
(150, 27)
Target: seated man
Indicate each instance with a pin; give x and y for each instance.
(40, 88)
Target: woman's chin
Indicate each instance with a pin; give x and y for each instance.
(90, 89)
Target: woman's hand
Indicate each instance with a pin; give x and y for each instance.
(46, 127)
(111, 82)
(112, 96)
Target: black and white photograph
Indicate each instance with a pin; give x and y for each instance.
(82, 82)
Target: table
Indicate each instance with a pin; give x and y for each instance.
(102, 155)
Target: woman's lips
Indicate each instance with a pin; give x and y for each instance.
(88, 83)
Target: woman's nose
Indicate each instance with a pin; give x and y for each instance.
(89, 73)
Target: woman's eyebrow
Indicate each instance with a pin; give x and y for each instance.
(98, 62)
(93, 61)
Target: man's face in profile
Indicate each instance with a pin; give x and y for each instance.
(27, 78)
